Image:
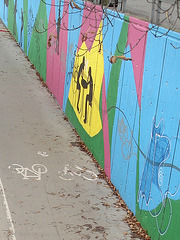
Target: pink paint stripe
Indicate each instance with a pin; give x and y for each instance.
(56, 62)
(137, 36)
(91, 19)
(63, 44)
(107, 158)
(50, 50)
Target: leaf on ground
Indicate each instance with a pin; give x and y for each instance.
(99, 229)
(89, 226)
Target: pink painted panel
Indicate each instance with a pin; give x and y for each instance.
(52, 57)
(63, 43)
(57, 53)
(91, 19)
(107, 158)
(137, 36)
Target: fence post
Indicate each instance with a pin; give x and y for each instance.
(152, 11)
(124, 5)
(178, 8)
(119, 6)
(158, 12)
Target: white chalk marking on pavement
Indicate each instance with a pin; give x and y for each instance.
(8, 213)
(43, 154)
(35, 172)
(67, 174)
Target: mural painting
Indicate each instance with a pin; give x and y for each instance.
(86, 82)
(127, 110)
(57, 50)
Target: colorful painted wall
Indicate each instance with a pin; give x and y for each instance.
(127, 112)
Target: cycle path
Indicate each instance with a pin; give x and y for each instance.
(49, 189)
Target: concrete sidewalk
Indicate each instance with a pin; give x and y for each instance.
(49, 189)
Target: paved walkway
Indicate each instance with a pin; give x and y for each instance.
(49, 189)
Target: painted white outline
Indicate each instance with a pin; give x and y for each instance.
(67, 174)
(66, 171)
(160, 179)
(87, 171)
(43, 154)
(140, 194)
(36, 170)
(125, 140)
(8, 213)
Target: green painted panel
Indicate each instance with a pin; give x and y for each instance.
(12, 25)
(95, 144)
(37, 49)
(162, 221)
(114, 77)
(25, 18)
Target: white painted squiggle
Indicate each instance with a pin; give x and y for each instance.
(68, 174)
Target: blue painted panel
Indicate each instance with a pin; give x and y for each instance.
(125, 136)
(4, 12)
(59, 10)
(48, 8)
(33, 7)
(20, 23)
(168, 110)
(153, 143)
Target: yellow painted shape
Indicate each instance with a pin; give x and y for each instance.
(77, 95)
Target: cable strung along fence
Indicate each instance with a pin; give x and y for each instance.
(164, 13)
(116, 77)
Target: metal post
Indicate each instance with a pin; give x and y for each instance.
(178, 8)
(119, 7)
(124, 5)
(158, 12)
(152, 11)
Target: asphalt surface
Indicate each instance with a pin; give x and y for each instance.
(49, 188)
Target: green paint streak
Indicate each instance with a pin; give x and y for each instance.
(37, 49)
(12, 26)
(114, 77)
(25, 17)
(94, 144)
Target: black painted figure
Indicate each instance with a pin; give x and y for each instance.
(90, 95)
(84, 83)
(81, 68)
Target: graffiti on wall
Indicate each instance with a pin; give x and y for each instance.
(85, 89)
(156, 187)
(126, 140)
(125, 111)
(84, 82)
